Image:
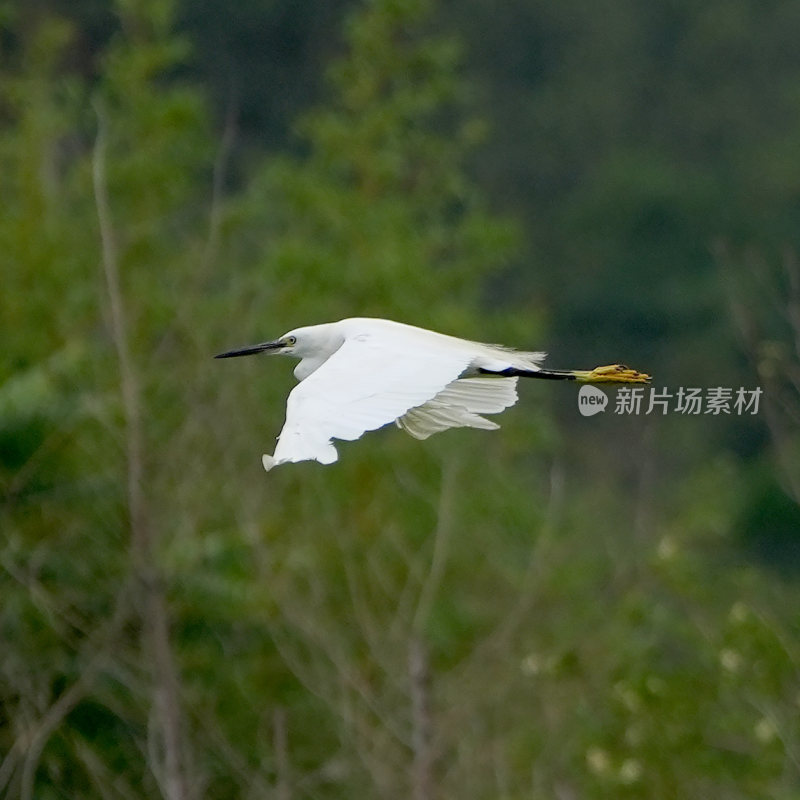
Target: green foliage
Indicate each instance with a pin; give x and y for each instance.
(380, 218)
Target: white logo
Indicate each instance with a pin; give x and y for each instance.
(591, 400)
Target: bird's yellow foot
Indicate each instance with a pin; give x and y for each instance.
(615, 373)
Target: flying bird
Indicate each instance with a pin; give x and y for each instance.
(359, 374)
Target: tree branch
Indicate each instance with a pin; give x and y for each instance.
(419, 680)
(153, 608)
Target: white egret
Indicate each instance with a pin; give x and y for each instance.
(357, 375)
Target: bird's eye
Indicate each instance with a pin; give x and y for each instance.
(291, 340)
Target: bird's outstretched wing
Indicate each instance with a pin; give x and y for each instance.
(367, 383)
(459, 405)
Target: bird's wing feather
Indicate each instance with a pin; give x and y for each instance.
(481, 395)
(459, 405)
(367, 383)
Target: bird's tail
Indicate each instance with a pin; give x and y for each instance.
(615, 373)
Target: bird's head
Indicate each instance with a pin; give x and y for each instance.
(312, 341)
(284, 345)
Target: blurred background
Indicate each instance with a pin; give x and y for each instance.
(568, 607)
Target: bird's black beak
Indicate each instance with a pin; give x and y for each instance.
(253, 349)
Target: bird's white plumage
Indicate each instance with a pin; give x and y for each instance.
(360, 374)
(367, 383)
(459, 405)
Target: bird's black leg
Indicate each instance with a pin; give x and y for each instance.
(544, 374)
(615, 373)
